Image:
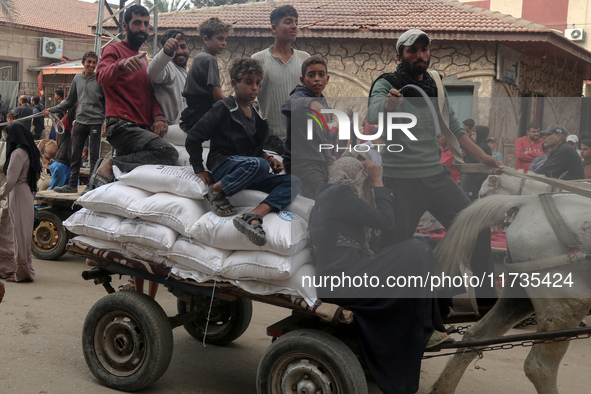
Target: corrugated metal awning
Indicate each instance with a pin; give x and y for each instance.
(71, 67)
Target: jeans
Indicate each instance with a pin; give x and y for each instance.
(239, 172)
(60, 175)
(137, 146)
(80, 132)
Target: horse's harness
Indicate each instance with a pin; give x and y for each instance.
(522, 184)
(564, 234)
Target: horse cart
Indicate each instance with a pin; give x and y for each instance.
(50, 237)
(128, 343)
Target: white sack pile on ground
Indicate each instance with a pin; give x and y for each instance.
(157, 213)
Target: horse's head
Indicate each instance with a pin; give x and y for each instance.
(490, 186)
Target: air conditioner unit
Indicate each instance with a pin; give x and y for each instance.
(575, 34)
(52, 48)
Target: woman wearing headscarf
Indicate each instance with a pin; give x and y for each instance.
(394, 325)
(22, 169)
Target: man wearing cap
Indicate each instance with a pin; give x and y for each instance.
(494, 147)
(528, 147)
(415, 175)
(563, 162)
(573, 140)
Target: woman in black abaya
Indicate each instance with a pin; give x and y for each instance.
(395, 324)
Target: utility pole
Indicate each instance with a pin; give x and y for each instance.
(117, 18)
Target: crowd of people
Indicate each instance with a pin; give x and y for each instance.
(136, 101)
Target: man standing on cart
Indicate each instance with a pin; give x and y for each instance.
(415, 175)
(135, 122)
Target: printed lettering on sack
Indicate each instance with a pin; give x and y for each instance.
(288, 216)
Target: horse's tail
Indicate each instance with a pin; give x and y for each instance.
(458, 244)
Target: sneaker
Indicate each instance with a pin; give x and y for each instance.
(65, 189)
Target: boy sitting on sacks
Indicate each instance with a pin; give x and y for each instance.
(236, 158)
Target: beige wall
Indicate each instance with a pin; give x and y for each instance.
(579, 14)
(20, 45)
(510, 7)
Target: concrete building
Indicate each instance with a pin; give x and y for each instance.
(44, 32)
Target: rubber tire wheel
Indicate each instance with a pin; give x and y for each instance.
(228, 320)
(310, 360)
(127, 340)
(50, 237)
(43, 184)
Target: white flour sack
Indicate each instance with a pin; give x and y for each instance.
(169, 179)
(175, 135)
(101, 244)
(114, 198)
(146, 253)
(184, 158)
(295, 285)
(301, 206)
(146, 233)
(94, 224)
(191, 255)
(245, 265)
(285, 231)
(178, 213)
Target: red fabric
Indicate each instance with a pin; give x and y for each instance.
(497, 237)
(67, 124)
(447, 159)
(526, 151)
(127, 95)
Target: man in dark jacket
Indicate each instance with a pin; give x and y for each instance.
(472, 181)
(38, 122)
(22, 111)
(564, 162)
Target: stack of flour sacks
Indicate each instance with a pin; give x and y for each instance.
(157, 213)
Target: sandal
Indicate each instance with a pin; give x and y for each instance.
(12, 279)
(130, 285)
(95, 181)
(219, 202)
(254, 231)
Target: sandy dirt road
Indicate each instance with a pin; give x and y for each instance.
(40, 343)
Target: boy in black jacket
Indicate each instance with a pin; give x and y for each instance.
(301, 157)
(236, 158)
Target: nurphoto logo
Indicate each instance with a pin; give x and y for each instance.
(344, 129)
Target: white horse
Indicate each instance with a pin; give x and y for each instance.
(530, 240)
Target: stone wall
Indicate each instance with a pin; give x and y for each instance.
(354, 64)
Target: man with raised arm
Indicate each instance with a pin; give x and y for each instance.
(168, 72)
(135, 122)
(415, 175)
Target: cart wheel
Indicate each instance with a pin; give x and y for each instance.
(50, 237)
(127, 340)
(43, 184)
(227, 319)
(310, 361)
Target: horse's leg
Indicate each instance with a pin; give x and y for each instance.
(541, 365)
(503, 316)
